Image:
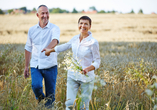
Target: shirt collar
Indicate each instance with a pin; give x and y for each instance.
(88, 37)
(47, 26)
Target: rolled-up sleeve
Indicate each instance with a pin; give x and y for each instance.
(96, 55)
(56, 33)
(28, 45)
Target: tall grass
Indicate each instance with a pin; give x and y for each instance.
(126, 67)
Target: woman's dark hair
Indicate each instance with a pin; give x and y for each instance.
(85, 18)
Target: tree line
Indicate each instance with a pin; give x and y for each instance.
(59, 10)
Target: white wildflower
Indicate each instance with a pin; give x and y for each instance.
(107, 104)
(155, 84)
(154, 77)
(102, 82)
(149, 92)
(95, 87)
(153, 99)
(95, 80)
(59, 65)
(96, 76)
(65, 68)
(152, 86)
(155, 107)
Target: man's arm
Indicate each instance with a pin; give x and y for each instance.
(27, 61)
(52, 44)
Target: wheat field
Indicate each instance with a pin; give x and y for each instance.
(105, 27)
(128, 50)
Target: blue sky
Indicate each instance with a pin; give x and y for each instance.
(124, 6)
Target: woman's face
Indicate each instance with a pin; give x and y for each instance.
(84, 26)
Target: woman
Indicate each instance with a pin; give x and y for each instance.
(86, 49)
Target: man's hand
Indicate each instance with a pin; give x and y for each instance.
(47, 51)
(26, 72)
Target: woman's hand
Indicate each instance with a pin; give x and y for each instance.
(47, 51)
(85, 71)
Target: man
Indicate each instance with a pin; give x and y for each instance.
(42, 35)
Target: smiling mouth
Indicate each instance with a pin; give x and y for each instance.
(83, 29)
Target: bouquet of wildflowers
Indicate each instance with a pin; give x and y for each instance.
(72, 63)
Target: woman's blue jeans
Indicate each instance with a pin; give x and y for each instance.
(50, 76)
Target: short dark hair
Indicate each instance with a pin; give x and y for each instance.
(41, 6)
(85, 18)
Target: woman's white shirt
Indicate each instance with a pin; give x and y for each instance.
(87, 53)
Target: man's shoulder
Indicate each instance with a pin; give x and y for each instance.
(33, 27)
(53, 25)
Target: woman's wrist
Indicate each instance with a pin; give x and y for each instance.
(52, 50)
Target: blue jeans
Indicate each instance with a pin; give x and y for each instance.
(50, 76)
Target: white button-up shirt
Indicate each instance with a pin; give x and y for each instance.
(39, 38)
(86, 51)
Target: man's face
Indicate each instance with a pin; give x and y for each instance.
(43, 15)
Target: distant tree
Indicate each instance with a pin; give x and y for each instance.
(140, 11)
(113, 11)
(10, 10)
(74, 11)
(34, 9)
(108, 11)
(58, 10)
(102, 11)
(132, 11)
(28, 11)
(50, 10)
(65, 11)
(24, 9)
(1, 12)
(92, 8)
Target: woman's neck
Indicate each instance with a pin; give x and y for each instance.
(83, 35)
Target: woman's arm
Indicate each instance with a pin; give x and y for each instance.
(59, 48)
(96, 55)
(86, 70)
(96, 59)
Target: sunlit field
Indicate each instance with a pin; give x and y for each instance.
(128, 49)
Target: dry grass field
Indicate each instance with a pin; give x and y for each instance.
(105, 27)
(128, 50)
